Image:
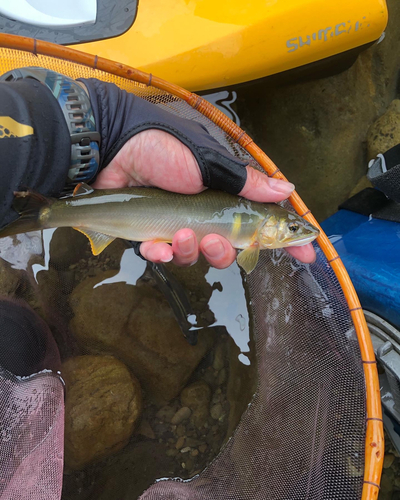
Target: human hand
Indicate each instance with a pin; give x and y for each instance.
(156, 158)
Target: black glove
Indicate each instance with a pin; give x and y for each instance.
(120, 115)
(35, 147)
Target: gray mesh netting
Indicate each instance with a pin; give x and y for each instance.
(302, 432)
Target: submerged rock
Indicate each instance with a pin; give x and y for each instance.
(197, 397)
(9, 279)
(103, 405)
(67, 246)
(136, 324)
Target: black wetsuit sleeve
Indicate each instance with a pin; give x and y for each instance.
(35, 146)
(120, 115)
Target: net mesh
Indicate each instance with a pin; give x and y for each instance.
(303, 434)
(31, 436)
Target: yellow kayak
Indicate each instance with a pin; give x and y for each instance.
(208, 44)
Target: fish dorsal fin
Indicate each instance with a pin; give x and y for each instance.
(248, 258)
(29, 201)
(98, 241)
(81, 189)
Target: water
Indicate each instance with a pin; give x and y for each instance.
(105, 306)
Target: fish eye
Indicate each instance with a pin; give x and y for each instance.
(293, 227)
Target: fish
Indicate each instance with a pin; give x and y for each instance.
(146, 214)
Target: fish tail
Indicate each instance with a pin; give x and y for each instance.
(29, 206)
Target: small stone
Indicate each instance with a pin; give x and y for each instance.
(197, 397)
(171, 452)
(194, 453)
(146, 430)
(180, 430)
(189, 463)
(202, 448)
(216, 411)
(180, 443)
(186, 449)
(192, 442)
(388, 461)
(219, 355)
(165, 413)
(181, 415)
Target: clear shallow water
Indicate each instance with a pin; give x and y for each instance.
(157, 447)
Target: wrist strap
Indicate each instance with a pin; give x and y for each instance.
(78, 114)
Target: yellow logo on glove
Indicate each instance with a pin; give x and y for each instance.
(11, 128)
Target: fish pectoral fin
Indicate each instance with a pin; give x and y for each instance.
(248, 258)
(98, 241)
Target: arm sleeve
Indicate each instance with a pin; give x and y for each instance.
(35, 146)
(120, 115)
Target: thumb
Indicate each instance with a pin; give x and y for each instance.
(260, 187)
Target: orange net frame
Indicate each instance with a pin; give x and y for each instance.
(20, 51)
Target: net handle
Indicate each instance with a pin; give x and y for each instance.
(374, 445)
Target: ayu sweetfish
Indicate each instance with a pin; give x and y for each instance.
(144, 214)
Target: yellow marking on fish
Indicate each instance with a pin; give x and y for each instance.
(237, 224)
(11, 128)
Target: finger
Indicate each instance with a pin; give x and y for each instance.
(218, 251)
(304, 254)
(185, 247)
(156, 251)
(260, 187)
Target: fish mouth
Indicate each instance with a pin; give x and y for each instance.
(302, 241)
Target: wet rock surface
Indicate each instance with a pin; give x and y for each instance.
(137, 325)
(103, 406)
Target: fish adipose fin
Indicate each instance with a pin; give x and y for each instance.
(248, 258)
(98, 241)
(29, 205)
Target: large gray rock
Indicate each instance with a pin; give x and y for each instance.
(136, 324)
(103, 406)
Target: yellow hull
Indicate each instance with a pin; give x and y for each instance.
(205, 44)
